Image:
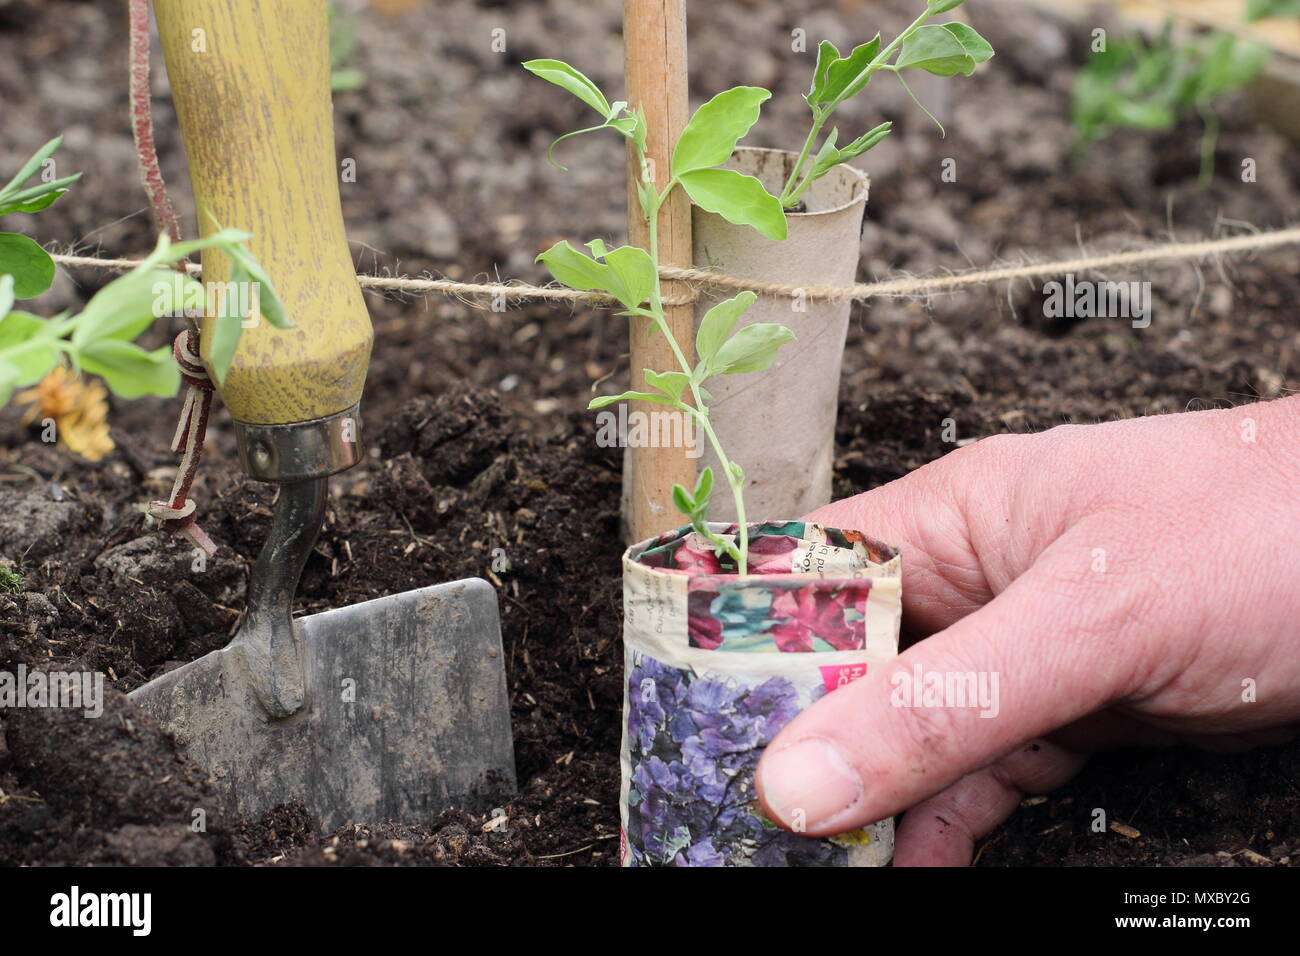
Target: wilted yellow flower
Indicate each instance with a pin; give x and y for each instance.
(79, 410)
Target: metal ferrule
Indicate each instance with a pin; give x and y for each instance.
(300, 451)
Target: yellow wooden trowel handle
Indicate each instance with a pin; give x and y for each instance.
(251, 83)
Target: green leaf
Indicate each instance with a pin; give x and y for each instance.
(865, 142)
(752, 349)
(646, 196)
(975, 45)
(628, 274)
(129, 370)
(563, 75)
(635, 273)
(631, 125)
(843, 77)
(28, 346)
(604, 400)
(32, 165)
(572, 268)
(670, 383)
(738, 198)
(8, 382)
(1143, 115)
(703, 489)
(935, 50)
(231, 242)
(15, 198)
(227, 328)
(6, 295)
(168, 252)
(683, 501)
(1262, 9)
(35, 199)
(130, 304)
(827, 157)
(710, 137)
(268, 302)
(346, 80)
(640, 130)
(29, 264)
(18, 328)
(32, 362)
(827, 53)
(30, 193)
(34, 205)
(717, 324)
(942, 6)
(1229, 66)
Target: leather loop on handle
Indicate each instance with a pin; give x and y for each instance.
(250, 81)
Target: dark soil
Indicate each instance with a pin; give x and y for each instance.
(474, 419)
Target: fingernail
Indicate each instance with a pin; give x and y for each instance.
(809, 785)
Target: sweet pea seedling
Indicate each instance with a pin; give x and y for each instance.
(100, 339)
(1139, 85)
(30, 266)
(944, 49)
(631, 275)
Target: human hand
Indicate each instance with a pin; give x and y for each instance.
(1130, 583)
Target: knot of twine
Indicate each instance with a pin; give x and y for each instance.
(177, 512)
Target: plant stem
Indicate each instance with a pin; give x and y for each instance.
(700, 412)
(819, 119)
(737, 492)
(1209, 139)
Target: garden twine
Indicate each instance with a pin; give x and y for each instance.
(890, 288)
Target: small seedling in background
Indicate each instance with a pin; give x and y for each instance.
(1133, 84)
(11, 582)
(1264, 9)
(343, 45)
(30, 266)
(631, 275)
(944, 49)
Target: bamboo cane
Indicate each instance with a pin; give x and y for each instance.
(654, 39)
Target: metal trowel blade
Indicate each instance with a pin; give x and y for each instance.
(406, 713)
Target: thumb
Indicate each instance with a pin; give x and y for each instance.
(1049, 649)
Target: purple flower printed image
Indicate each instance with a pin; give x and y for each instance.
(694, 744)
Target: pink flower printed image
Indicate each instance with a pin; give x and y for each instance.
(771, 554)
(806, 613)
(704, 629)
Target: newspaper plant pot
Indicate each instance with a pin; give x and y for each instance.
(716, 664)
(780, 424)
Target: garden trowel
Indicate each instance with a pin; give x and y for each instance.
(390, 710)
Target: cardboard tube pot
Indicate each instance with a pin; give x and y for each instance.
(715, 664)
(781, 425)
